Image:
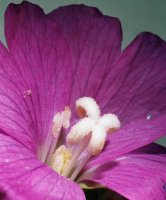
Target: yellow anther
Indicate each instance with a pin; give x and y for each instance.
(60, 159)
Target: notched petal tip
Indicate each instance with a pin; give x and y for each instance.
(23, 5)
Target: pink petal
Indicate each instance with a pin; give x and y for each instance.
(15, 117)
(138, 175)
(22, 176)
(133, 87)
(136, 88)
(94, 41)
(40, 64)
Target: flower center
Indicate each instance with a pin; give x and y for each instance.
(85, 139)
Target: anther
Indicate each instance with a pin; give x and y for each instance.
(60, 159)
(61, 119)
(87, 107)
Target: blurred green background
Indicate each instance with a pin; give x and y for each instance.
(135, 15)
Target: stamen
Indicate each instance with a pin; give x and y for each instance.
(85, 139)
(77, 152)
(87, 107)
(60, 159)
(61, 119)
(80, 166)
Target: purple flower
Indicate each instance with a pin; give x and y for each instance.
(73, 55)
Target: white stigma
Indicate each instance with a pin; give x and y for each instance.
(92, 124)
(80, 130)
(110, 122)
(87, 107)
(97, 140)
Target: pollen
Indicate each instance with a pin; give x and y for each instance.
(27, 93)
(61, 119)
(60, 159)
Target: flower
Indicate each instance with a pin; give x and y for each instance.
(74, 55)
